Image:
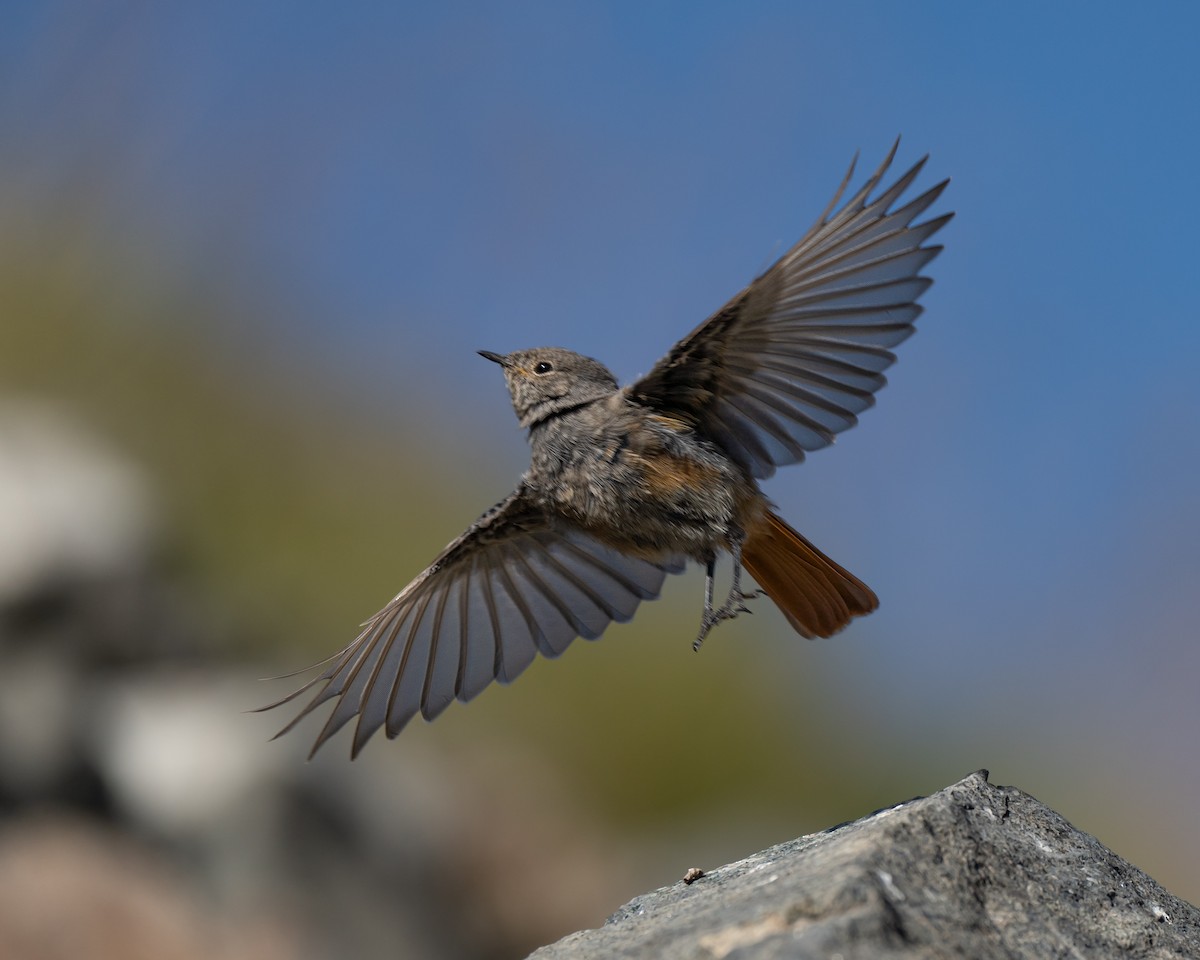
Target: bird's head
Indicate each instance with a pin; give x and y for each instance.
(545, 381)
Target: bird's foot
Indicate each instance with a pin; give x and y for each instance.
(734, 604)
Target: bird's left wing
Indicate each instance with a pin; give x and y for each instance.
(516, 584)
(796, 356)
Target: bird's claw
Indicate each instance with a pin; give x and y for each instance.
(735, 604)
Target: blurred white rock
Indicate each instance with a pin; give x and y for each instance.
(71, 507)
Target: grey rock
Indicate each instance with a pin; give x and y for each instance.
(973, 871)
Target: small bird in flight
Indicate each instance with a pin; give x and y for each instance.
(626, 484)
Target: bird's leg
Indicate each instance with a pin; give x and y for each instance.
(734, 604)
(707, 620)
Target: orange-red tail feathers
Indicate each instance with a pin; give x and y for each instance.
(816, 595)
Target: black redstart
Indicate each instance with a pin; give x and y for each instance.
(626, 485)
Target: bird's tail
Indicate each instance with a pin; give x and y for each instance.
(817, 596)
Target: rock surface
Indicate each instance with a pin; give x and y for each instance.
(976, 871)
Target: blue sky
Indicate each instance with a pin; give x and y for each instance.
(415, 182)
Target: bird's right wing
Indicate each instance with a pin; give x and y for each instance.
(796, 356)
(516, 584)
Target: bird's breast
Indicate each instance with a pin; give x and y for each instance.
(651, 488)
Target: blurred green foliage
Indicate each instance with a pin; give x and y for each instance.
(272, 502)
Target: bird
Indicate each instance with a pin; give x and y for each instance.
(626, 485)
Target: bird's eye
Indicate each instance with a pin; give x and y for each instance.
(543, 367)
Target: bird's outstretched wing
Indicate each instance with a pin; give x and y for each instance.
(516, 584)
(796, 356)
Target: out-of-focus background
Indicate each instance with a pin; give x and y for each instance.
(247, 252)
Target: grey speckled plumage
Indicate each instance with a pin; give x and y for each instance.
(626, 485)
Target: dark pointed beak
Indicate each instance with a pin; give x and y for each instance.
(494, 357)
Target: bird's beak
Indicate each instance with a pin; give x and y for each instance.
(494, 357)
